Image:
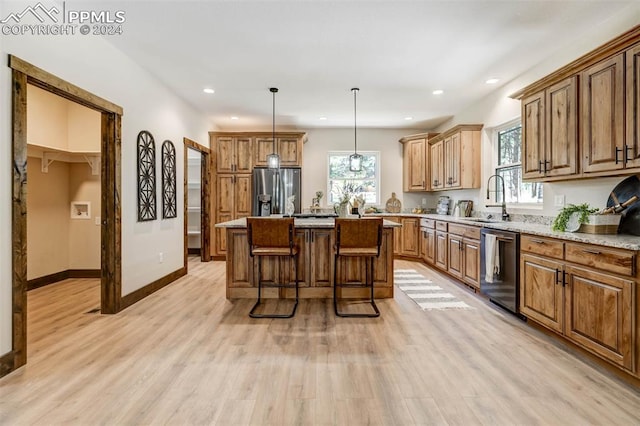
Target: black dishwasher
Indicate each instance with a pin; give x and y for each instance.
(500, 267)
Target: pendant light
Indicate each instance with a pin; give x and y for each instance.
(273, 159)
(355, 159)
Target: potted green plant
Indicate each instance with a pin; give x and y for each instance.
(572, 216)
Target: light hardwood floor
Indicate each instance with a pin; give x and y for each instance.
(185, 355)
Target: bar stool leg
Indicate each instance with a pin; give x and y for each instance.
(368, 281)
(252, 313)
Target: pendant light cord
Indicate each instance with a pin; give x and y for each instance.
(355, 122)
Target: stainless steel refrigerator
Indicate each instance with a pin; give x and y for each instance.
(272, 188)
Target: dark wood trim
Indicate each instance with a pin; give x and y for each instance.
(205, 201)
(111, 233)
(145, 291)
(23, 75)
(49, 82)
(7, 363)
(612, 47)
(19, 218)
(60, 276)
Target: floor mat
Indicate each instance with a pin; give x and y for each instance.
(424, 292)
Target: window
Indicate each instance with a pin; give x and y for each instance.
(509, 139)
(341, 179)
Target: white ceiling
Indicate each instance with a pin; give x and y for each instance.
(396, 52)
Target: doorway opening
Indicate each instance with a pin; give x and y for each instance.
(197, 201)
(25, 75)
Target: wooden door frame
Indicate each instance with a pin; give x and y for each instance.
(23, 74)
(205, 200)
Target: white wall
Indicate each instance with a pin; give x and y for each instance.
(321, 141)
(498, 108)
(95, 65)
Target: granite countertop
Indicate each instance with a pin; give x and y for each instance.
(624, 241)
(300, 223)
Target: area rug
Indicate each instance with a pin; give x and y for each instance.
(424, 292)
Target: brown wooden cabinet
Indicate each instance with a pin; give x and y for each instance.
(289, 147)
(233, 201)
(589, 306)
(415, 154)
(437, 165)
(233, 154)
(600, 94)
(550, 131)
(428, 241)
(455, 158)
(632, 141)
(236, 153)
(602, 129)
(464, 253)
(441, 243)
(410, 245)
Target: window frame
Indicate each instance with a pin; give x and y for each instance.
(516, 122)
(346, 154)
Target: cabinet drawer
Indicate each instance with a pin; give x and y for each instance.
(465, 231)
(543, 246)
(605, 258)
(441, 226)
(427, 223)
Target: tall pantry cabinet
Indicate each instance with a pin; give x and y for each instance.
(235, 154)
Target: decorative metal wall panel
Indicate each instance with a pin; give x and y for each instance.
(146, 177)
(169, 196)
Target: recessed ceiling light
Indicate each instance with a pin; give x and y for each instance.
(438, 92)
(408, 118)
(235, 118)
(322, 118)
(208, 90)
(492, 81)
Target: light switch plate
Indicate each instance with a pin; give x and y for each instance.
(558, 201)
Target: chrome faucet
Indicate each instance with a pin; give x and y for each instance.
(505, 215)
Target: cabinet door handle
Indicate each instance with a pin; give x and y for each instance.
(558, 276)
(545, 166)
(627, 157)
(618, 150)
(591, 251)
(537, 241)
(564, 278)
(540, 166)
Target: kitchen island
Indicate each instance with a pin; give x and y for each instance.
(316, 239)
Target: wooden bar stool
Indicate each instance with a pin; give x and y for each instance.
(273, 237)
(357, 238)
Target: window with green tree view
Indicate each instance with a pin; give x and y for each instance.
(342, 181)
(509, 142)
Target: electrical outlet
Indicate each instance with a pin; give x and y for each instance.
(558, 201)
(160, 257)
(98, 220)
(424, 202)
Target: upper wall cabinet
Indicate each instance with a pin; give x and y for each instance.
(287, 146)
(550, 131)
(583, 120)
(415, 154)
(233, 154)
(632, 141)
(455, 158)
(602, 129)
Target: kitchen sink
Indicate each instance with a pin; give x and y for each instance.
(481, 220)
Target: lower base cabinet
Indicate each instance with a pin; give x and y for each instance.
(593, 309)
(315, 266)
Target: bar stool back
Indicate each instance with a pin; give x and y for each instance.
(357, 238)
(273, 237)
